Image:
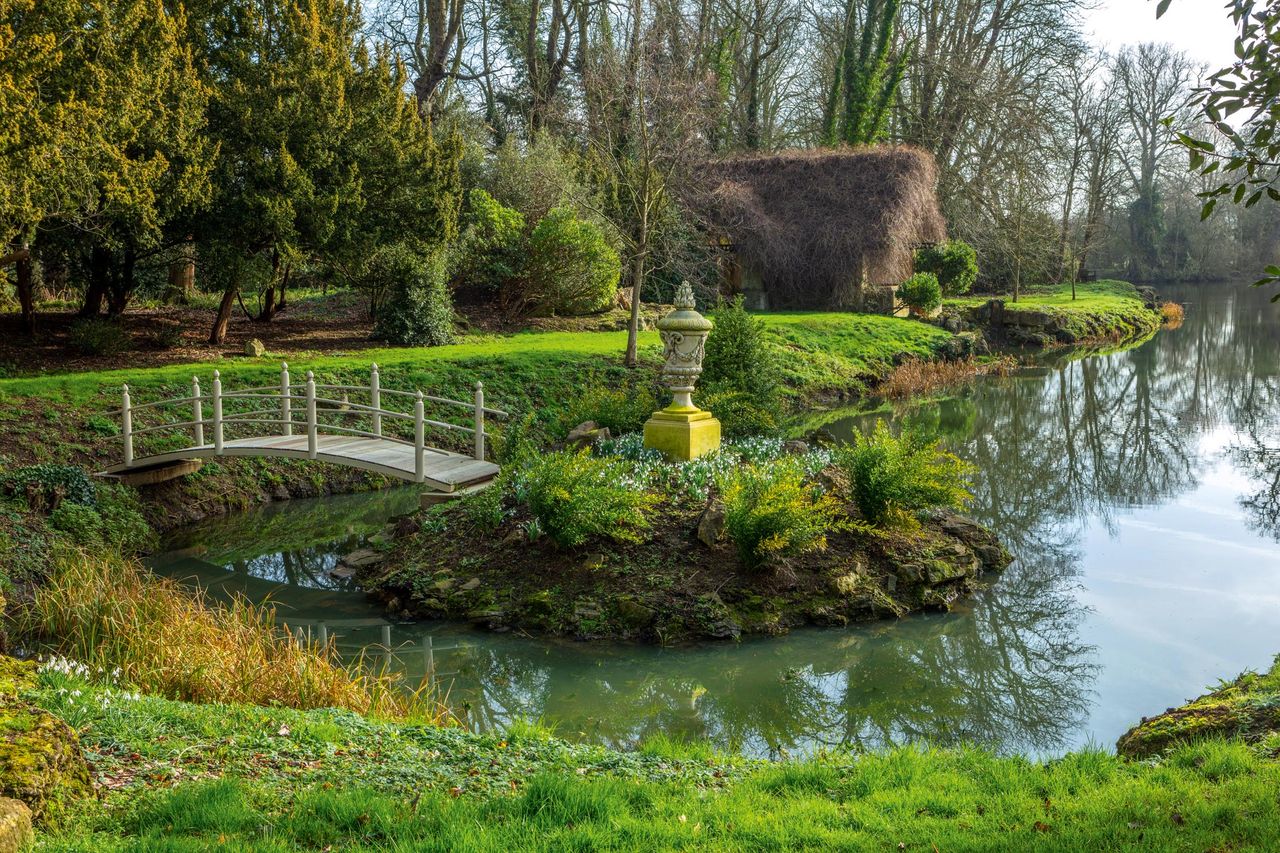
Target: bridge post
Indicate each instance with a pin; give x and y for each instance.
(286, 415)
(479, 421)
(375, 400)
(312, 439)
(197, 411)
(419, 440)
(217, 413)
(126, 427)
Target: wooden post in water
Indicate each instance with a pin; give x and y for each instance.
(375, 400)
(217, 413)
(419, 440)
(312, 439)
(286, 413)
(197, 411)
(126, 427)
(479, 421)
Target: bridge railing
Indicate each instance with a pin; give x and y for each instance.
(310, 407)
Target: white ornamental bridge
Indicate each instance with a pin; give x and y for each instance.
(309, 420)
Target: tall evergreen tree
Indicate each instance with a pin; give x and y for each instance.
(866, 74)
(100, 121)
(281, 71)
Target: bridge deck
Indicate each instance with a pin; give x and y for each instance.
(444, 470)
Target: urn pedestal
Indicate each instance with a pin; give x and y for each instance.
(682, 431)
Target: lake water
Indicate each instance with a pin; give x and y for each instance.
(1140, 492)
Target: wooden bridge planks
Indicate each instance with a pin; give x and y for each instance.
(443, 469)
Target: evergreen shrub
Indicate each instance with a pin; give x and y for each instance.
(577, 496)
(772, 513)
(416, 310)
(954, 262)
(922, 292)
(892, 477)
(572, 269)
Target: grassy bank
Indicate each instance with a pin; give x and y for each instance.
(185, 777)
(1246, 709)
(1100, 311)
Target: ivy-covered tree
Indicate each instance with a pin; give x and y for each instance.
(866, 74)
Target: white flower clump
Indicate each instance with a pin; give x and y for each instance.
(694, 479)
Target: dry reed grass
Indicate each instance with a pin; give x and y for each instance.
(920, 378)
(105, 610)
(1172, 313)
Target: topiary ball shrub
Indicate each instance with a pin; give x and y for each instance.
(572, 269)
(954, 262)
(416, 309)
(921, 292)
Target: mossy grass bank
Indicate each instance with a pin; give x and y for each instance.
(1246, 709)
(179, 776)
(757, 538)
(1096, 312)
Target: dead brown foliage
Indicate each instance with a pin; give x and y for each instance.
(1172, 313)
(921, 378)
(813, 222)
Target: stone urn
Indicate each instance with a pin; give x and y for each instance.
(682, 431)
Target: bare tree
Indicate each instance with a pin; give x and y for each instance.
(426, 34)
(652, 136)
(1152, 83)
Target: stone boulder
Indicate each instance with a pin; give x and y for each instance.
(711, 524)
(586, 434)
(41, 763)
(984, 544)
(255, 348)
(15, 825)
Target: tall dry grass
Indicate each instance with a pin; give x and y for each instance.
(107, 610)
(1172, 314)
(917, 377)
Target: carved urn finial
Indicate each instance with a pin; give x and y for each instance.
(682, 431)
(684, 335)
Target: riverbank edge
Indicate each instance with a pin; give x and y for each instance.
(220, 773)
(681, 584)
(1245, 709)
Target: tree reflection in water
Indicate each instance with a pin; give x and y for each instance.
(1072, 446)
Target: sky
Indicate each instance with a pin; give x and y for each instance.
(1200, 28)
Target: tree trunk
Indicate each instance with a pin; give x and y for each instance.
(25, 296)
(220, 323)
(637, 286)
(99, 274)
(182, 279)
(270, 304)
(122, 285)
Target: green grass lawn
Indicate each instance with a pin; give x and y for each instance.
(61, 416)
(188, 777)
(818, 349)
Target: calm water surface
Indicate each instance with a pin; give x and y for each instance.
(1140, 492)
